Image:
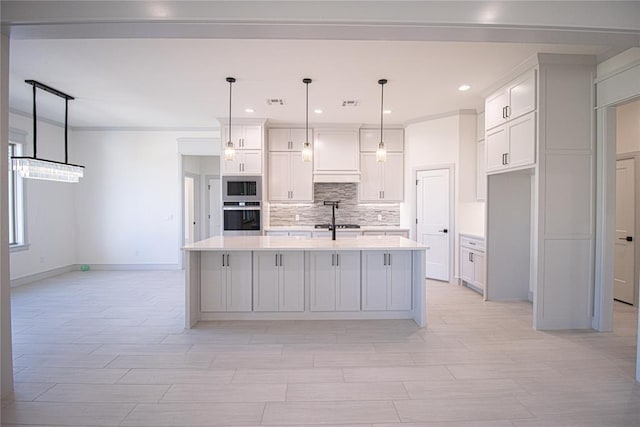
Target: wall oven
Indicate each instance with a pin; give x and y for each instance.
(242, 218)
(241, 188)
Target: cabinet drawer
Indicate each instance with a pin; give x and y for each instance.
(472, 243)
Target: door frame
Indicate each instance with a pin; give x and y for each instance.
(452, 213)
(196, 203)
(635, 156)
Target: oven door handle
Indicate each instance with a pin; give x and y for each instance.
(241, 208)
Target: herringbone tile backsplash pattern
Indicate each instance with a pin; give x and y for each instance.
(349, 212)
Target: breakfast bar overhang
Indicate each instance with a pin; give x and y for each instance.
(298, 278)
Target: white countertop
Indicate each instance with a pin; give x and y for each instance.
(267, 243)
(312, 228)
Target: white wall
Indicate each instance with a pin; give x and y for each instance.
(49, 206)
(442, 141)
(628, 127)
(129, 202)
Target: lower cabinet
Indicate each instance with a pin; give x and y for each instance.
(278, 283)
(472, 262)
(386, 281)
(225, 281)
(334, 281)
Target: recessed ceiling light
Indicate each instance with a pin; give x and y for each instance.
(249, 110)
(318, 111)
(464, 88)
(387, 111)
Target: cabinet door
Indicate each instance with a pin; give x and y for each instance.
(279, 140)
(239, 281)
(494, 113)
(279, 175)
(399, 285)
(301, 180)
(480, 129)
(266, 279)
(348, 281)
(236, 136)
(393, 139)
(298, 137)
(252, 161)
(291, 290)
(323, 281)
(252, 137)
(478, 270)
(213, 282)
(393, 178)
(466, 266)
(336, 151)
(231, 167)
(374, 280)
(370, 186)
(522, 95)
(497, 147)
(522, 141)
(481, 171)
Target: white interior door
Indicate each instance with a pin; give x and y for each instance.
(214, 207)
(189, 210)
(433, 214)
(624, 283)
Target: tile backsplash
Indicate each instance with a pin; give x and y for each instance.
(349, 212)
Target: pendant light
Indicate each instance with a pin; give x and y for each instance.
(381, 152)
(35, 168)
(229, 150)
(307, 153)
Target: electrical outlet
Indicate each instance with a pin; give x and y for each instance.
(297, 217)
(380, 217)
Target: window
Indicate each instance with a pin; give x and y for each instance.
(16, 201)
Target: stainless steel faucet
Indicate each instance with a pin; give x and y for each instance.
(334, 206)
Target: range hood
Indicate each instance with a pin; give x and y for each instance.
(337, 178)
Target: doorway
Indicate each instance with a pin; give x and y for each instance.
(434, 219)
(214, 197)
(191, 209)
(624, 285)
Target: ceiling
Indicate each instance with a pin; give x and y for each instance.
(180, 83)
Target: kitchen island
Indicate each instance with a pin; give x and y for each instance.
(295, 278)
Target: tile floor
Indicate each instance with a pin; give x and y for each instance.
(109, 349)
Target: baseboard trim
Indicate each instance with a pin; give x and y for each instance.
(30, 278)
(131, 267)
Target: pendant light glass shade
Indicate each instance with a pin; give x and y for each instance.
(49, 170)
(381, 152)
(307, 151)
(229, 150)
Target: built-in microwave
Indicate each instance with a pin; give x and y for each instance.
(241, 188)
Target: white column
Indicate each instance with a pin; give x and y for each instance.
(6, 362)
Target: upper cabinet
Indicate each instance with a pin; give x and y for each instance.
(511, 101)
(393, 139)
(287, 139)
(481, 167)
(381, 181)
(336, 155)
(247, 141)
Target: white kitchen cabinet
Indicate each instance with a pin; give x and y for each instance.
(393, 139)
(245, 162)
(511, 101)
(481, 171)
(244, 137)
(288, 139)
(290, 179)
(381, 181)
(226, 281)
(295, 233)
(401, 233)
(336, 155)
(386, 281)
(340, 234)
(278, 281)
(512, 145)
(472, 262)
(334, 281)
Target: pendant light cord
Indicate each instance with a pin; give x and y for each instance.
(381, 109)
(307, 114)
(230, 85)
